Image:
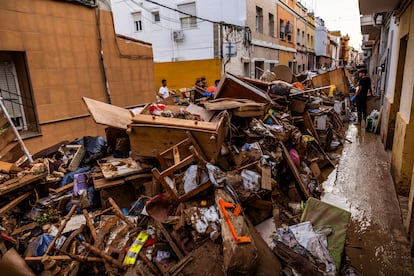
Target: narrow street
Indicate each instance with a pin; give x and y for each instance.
(362, 184)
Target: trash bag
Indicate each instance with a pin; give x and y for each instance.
(96, 147)
(190, 178)
(280, 90)
(40, 244)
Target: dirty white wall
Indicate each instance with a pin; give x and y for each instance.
(198, 43)
(393, 46)
(407, 25)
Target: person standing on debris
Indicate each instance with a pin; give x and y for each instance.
(203, 82)
(213, 88)
(361, 94)
(164, 92)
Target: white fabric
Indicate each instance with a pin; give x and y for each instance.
(163, 92)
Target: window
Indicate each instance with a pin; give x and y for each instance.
(259, 69)
(156, 16)
(282, 29)
(288, 30)
(246, 69)
(137, 21)
(303, 38)
(15, 90)
(188, 15)
(298, 37)
(259, 19)
(308, 41)
(271, 25)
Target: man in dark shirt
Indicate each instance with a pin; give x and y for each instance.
(361, 94)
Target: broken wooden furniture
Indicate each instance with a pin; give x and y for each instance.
(169, 177)
(336, 77)
(232, 87)
(151, 135)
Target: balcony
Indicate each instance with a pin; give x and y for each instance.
(375, 6)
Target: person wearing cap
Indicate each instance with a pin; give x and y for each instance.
(361, 94)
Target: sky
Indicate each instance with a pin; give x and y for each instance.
(340, 15)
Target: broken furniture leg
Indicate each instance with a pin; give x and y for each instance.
(62, 226)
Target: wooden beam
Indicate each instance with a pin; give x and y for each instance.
(14, 202)
(295, 171)
(63, 258)
(170, 240)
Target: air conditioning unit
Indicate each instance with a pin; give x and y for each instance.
(178, 35)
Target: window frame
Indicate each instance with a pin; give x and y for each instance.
(259, 19)
(156, 18)
(271, 25)
(282, 29)
(188, 22)
(137, 19)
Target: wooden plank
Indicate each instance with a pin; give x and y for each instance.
(336, 77)
(3, 120)
(14, 202)
(295, 171)
(24, 228)
(6, 137)
(7, 167)
(195, 192)
(89, 223)
(237, 258)
(164, 184)
(103, 183)
(227, 103)
(62, 258)
(62, 189)
(204, 114)
(248, 113)
(232, 87)
(107, 114)
(294, 260)
(11, 153)
(198, 150)
(112, 167)
(16, 183)
(174, 247)
(150, 140)
(50, 151)
(171, 122)
(307, 120)
(266, 178)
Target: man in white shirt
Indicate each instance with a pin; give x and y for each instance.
(163, 92)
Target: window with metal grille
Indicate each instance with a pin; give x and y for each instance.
(188, 15)
(137, 21)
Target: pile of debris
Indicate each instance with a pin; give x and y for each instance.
(220, 186)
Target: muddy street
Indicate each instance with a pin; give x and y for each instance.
(362, 184)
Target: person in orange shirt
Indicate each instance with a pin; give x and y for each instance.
(213, 88)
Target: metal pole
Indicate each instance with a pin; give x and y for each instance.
(26, 152)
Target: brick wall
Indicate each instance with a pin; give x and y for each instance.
(61, 46)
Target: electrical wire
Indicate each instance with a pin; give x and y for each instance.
(197, 17)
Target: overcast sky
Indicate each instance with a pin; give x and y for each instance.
(340, 15)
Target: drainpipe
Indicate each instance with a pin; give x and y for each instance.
(98, 27)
